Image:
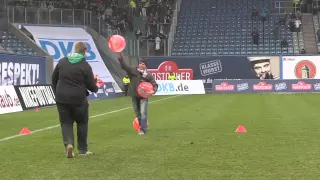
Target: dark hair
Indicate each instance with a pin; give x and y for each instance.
(143, 61)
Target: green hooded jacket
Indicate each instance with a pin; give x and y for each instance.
(75, 57)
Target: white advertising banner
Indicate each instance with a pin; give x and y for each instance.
(300, 67)
(59, 42)
(9, 101)
(175, 87)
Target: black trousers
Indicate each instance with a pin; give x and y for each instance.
(126, 87)
(68, 114)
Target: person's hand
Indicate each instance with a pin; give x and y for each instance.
(150, 93)
(98, 84)
(120, 56)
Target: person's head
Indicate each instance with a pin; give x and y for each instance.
(81, 48)
(260, 65)
(142, 65)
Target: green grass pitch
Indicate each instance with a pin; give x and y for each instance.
(190, 137)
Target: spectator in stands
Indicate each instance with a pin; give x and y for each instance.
(318, 34)
(143, 13)
(284, 43)
(255, 36)
(297, 24)
(299, 15)
(255, 14)
(264, 14)
(133, 7)
(303, 51)
(161, 33)
(285, 18)
(138, 33)
(276, 31)
(150, 19)
(292, 25)
(158, 43)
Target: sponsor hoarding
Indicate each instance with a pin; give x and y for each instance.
(208, 69)
(265, 86)
(59, 42)
(301, 67)
(9, 101)
(175, 87)
(22, 70)
(35, 96)
(104, 92)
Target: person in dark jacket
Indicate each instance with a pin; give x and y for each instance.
(137, 75)
(71, 80)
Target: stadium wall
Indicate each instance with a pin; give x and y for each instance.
(25, 97)
(14, 28)
(212, 68)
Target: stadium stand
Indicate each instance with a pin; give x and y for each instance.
(12, 44)
(107, 17)
(316, 21)
(224, 27)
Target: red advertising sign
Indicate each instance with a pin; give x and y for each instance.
(166, 67)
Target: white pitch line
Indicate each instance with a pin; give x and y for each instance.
(98, 115)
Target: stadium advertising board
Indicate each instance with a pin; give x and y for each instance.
(9, 101)
(35, 96)
(265, 86)
(175, 87)
(22, 70)
(301, 67)
(60, 41)
(217, 67)
(104, 92)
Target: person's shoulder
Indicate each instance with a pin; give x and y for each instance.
(62, 60)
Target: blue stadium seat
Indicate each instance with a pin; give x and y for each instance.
(213, 28)
(14, 45)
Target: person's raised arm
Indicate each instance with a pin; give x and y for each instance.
(124, 66)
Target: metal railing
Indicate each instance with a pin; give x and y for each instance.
(173, 27)
(285, 5)
(81, 17)
(65, 17)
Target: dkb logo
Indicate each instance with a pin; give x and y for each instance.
(170, 87)
(61, 48)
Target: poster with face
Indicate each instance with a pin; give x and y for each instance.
(265, 67)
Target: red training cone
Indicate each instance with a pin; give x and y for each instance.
(25, 131)
(37, 109)
(241, 129)
(136, 125)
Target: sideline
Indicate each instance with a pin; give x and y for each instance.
(94, 116)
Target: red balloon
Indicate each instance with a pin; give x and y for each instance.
(101, 83)
(117, 43)
(136, 125)
(143, 88)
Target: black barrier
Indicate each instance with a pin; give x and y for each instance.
(32, 96)
(265, 86)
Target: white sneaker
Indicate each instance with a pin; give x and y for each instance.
(141, 133)
(86, 154)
